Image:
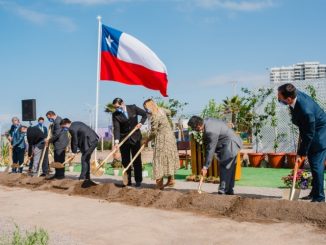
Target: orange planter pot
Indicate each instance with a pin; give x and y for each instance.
(291, 158)
(276, 160)
(255, 159)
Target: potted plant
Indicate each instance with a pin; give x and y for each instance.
(303, 181)
(256, 121)
(144, 171)
(116, 164)
(275, 159)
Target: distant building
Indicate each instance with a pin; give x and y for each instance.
(298, 72)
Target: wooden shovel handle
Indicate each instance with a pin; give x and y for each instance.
(295, 173)
(114, 150)
(134, 158)
(40, 163)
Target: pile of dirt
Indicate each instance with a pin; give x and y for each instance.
(235, 207)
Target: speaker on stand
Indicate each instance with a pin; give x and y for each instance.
(29, 110)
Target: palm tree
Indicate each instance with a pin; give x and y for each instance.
(233, 106)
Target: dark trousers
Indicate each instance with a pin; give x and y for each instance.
(227, 175)
(316, 161)
(18, 158)
(85, 161)
(59, 156)
(126, 150)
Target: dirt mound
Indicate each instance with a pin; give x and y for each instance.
(235, 207)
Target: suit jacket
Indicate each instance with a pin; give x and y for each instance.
(34, 137)
(123, 125)
(43, 129)
(59, 137)
(18, 138)
(82, 137)
(311, 121)
(220, 139)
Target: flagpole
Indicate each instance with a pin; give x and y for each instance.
(99, 18)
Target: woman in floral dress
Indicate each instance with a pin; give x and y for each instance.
(165, 157)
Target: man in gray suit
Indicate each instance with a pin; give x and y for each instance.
(221, 140)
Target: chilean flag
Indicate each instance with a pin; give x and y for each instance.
(127, 60)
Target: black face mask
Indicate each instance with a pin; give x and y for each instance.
(282, 102)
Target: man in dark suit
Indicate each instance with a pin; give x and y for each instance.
(221, 140)
(36, 143)
(83, 138)
(60, 141)
(125, 119)
(40, 125)
(311, 121)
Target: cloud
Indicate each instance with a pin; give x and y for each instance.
(242, 79)
(37, 17)
(235, 5)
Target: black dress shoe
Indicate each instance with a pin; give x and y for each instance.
(231, 193)
(315, 200)
(55, 177)
(309, 197)
(42, 175)
(138, 184)
(88, 183)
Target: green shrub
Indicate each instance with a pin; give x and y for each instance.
(36, 237)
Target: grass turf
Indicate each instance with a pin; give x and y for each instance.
(255, 177)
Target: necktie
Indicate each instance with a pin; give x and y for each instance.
(126, 114)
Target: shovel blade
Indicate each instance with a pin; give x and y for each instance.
(57, 165)
(287, 194)
(125, 178)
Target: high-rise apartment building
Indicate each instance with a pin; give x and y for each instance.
(298, 72)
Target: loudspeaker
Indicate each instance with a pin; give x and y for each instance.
(29, 110)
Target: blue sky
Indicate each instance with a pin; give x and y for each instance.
(48, 48)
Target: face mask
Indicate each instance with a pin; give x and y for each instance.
(282, 102)
(40, 124)
(51, 119)
(148, 111)
(65, 129)
(119, 109)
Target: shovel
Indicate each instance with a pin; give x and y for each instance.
(295, 173)
(200, 184)
(40, 163)
(124, 172)
(97, 170)
(59, 165)
(292, 194)
(10, 160)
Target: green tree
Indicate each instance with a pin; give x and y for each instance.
(255, 121)
(213, 110)
(175, 106)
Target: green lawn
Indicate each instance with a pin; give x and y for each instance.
(256, 177)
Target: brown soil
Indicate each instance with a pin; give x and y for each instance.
(235, 207)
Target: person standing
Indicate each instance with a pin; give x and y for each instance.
(40, 125)
(311, 121)
(165, 156)
(83, 138)
(221, 140)
(125, 119)
(36, 143)
(16, 137)
(60, 141)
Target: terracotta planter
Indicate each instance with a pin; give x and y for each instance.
(255, 159)
(291, 158)
(276, 160)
